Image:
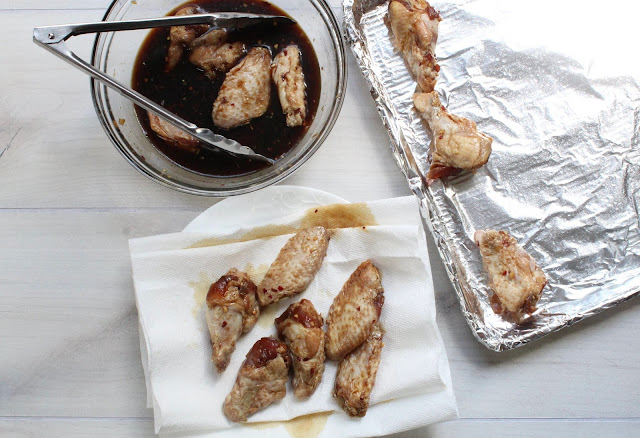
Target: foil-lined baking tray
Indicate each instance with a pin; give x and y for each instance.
(558, 89)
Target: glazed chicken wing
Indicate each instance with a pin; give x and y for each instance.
(296, 265)
(357, 374)
(181, 37)
(354, 311)
(514, 276)
(300, 326)
(245, 92)
(456, 144)
(262, 380)
(286, 73)
(232, 309)
(212, 53)
(414, 24)
(172, 134)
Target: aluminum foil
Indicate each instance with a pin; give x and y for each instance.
(557, 86)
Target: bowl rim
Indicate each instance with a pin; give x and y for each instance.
(342, 75)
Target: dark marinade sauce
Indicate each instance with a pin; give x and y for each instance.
(186, 91)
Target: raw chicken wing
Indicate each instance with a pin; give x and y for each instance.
(232, 309)
(354, 311)
(182, 36)
(245, 92)
(212, 53)
(357, 375)
(456, 144)
(286, 72)
(414, 24)
(262, 380)
(296, 265)
(514, 276)
(172, 134)
(300, 326)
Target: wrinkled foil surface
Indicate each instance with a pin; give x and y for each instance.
(557, 86)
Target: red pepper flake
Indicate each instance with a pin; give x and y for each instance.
(264, 291)
(504, 272)
(441, 136)
(224, 323)
(358, 308)
(270, 296)
(436, 68)
(316, 210)
(364, 228)
(312, 371)
(280, 288)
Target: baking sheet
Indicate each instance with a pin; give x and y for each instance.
(557, 87)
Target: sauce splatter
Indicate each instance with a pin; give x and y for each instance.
(329, 216)
(261, 232)
(305, 426)
(339, 216)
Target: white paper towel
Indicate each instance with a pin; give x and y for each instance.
(413, 385)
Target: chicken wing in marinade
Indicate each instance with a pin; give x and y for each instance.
(172, 134)
(213, 54)
(180, 37)
(287, 74)
(246, 91)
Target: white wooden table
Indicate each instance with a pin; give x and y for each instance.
(69, 353)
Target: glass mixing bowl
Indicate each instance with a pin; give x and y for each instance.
(115, 54)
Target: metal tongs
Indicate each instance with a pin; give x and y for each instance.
(53, 39)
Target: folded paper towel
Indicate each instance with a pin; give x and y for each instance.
(172, 274)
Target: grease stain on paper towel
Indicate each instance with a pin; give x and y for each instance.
(328, 216)
(200, 288)
(305, 426)
(262, 232)
(269, 314)
(339, 216)
(256, 273)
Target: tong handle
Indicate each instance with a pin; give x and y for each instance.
(57, 34)
(60, 49)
